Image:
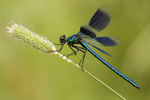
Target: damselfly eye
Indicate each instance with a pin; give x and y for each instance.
(62, 39)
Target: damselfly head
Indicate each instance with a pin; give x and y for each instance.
(62, 39)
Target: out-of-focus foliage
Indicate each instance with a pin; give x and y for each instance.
(26, 74)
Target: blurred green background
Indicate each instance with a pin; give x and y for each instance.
(27, 74)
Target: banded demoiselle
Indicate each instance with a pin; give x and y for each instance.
(87, 35)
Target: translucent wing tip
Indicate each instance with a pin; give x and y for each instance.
(106, 9)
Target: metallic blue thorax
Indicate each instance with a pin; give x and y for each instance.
(72, 38)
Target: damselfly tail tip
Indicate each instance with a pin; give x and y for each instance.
(137, 87)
